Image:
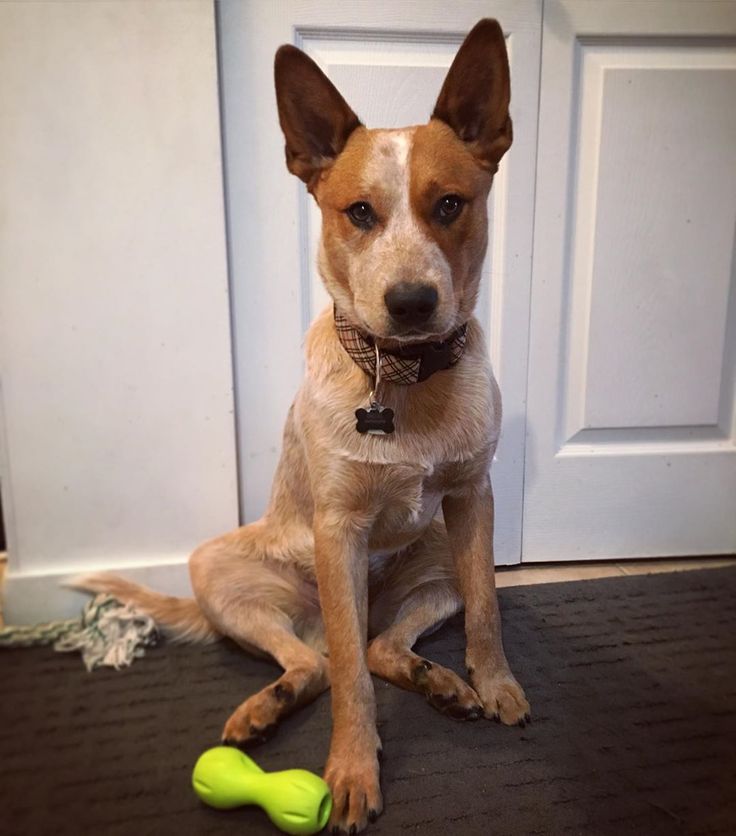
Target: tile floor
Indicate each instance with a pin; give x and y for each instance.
(560, 572)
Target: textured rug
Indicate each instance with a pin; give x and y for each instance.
(633, 689)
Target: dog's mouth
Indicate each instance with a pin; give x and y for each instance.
(413, 336)
(402, 337)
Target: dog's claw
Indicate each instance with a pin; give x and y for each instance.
(442, 702)
(372, 816)
(260, 734)
(257, 735)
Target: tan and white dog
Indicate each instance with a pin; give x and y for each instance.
(353, 561)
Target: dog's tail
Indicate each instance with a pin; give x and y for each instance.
(179, 618)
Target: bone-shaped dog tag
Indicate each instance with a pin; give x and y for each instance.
(377, 420)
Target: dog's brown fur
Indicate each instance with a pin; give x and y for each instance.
(351, 556)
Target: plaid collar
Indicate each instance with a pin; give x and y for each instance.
(411, 364)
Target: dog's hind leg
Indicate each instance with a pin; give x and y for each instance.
(264, 605)
(415, 596)
(305, 677)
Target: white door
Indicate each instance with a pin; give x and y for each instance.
(630, 437)
(389, 60)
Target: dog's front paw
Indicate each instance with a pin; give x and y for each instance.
(356, 791)
(503, 698)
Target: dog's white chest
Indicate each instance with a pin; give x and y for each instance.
(405, 515)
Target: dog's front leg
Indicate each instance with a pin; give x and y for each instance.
(469, 522)
(341, 557)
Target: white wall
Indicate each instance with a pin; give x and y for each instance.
(115, 353)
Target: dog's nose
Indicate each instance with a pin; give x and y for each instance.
(411, 304)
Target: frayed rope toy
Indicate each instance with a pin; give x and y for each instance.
(108, 634)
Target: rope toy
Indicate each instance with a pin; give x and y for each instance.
(108, 634)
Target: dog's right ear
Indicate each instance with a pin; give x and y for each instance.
(314, 117)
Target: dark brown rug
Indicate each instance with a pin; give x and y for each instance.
(633, 689)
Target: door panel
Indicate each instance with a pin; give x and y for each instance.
(630, 438)
(389, 61)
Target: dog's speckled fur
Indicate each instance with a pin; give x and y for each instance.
(352, 555)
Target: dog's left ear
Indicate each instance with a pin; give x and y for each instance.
(474, 100)
(314, 117)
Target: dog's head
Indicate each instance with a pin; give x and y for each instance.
(404, 219)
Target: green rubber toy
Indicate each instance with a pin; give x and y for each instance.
(295, 800)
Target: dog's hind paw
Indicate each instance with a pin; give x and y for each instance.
(253, 722)
(446, 692)
(256, 735)
(503, 699)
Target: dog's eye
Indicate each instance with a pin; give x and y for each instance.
(448, 208)
(361, 214)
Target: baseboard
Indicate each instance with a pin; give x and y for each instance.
(36, 598)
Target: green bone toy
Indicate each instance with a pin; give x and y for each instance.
(296, 801)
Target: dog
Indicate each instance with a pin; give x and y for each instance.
(397, 420)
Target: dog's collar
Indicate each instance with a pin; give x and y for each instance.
(411, 364)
